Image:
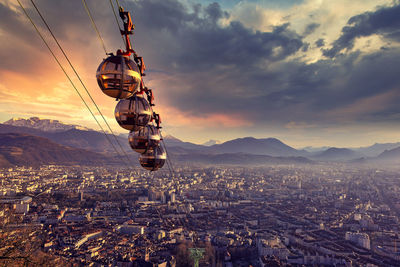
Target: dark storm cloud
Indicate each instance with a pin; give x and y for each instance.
(231, 69)
(310, 28)
(10, 49)
(320, 42)
(21, 47)
(214, 12)
(300, 92)
(234, 43)
(228, 69)
(197, 41)
(10, 21)
(70, 21)
(385, 21)
(305, 47)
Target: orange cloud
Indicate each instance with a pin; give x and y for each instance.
(177, 118)
(365, 106)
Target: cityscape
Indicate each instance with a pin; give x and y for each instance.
(281, 215)
(218, 133)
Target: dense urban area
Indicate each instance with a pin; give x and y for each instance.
(283, 215)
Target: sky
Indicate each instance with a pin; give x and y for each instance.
(308, 72)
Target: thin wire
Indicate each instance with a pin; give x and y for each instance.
(169, 166)
(116, 20)
(77, 75)
(168, 157)
(119, 6)
(66, 74)
(169, 162)
(94, 25)
(171, 170)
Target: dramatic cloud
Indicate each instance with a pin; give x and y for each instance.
(226, 68)
(385, 22)
(320, 42)
(311, 28)
(197, 42)
(239, 66)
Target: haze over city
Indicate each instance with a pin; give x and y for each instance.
(319, 73)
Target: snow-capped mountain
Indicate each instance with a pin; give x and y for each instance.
(211, 142)
(45, 125)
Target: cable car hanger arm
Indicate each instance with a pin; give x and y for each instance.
(128, 30)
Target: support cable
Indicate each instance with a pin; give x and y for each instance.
(169, 167)
(69, 79)
(79, 78)
(94, 25)
(119, 6)
(116, 20)
(168, 158)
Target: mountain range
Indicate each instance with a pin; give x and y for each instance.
(211, 142)
(73, 137)
(23, 149)
(67, 139)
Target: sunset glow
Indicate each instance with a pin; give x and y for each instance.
(310, 72)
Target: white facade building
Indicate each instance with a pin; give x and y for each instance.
(361, 239)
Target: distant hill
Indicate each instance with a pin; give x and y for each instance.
(85, 139)
(173, 142)
(90, 140)
(250, 145)
(97, 141)
(390, 155)
(4, 163)
(376, 149)
(233, 150)
(336, 154)
(23, 149)
(367, 151)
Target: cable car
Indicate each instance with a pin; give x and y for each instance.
(133, 113)
(121, 78)
(118, 77)
(153, 159)
(144, 139)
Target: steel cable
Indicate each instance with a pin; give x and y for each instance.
(80, 80)
(116, 20)
(69, 79)
(94, 25)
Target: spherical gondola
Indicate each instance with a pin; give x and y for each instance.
(144, 139)
(133, 113)
(153, 159)
(118, 77)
